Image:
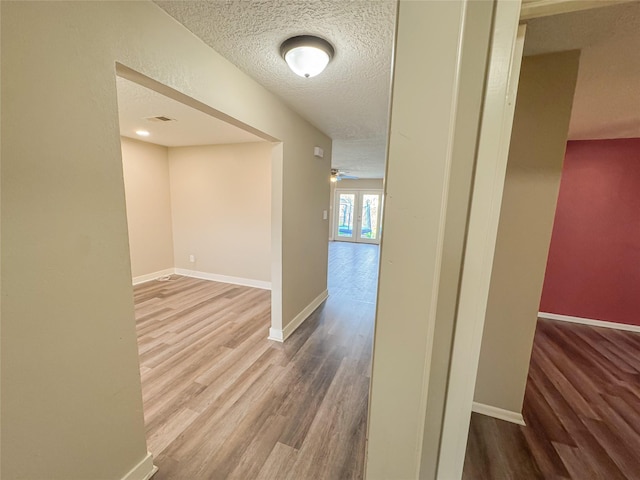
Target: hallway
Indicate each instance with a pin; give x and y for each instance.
(222, 401)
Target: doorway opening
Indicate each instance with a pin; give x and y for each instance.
(566, 365)
(198, 199)
(357, 210)
(358, 215)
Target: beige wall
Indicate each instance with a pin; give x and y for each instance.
(221, 205)
(304, 232)
(359, 184)
(538, 141)
(146, 186)
(213, 202)
(71, 401)
(429, 168)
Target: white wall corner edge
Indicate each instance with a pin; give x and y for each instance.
(245, 282)
(499, 413)
(590, 322)
(280, 335)
(153, 276)
(143, 470)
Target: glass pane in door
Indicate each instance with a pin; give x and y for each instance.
(346, 214)
(369, 225)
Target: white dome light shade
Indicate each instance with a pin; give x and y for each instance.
(307, 56)
(307, 61)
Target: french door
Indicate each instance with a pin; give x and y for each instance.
(358, 216)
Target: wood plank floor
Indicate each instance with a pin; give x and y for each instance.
(582, 410)
(221, 401)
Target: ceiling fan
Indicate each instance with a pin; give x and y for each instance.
(337, 175)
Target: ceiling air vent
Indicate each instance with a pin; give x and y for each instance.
(161, 118)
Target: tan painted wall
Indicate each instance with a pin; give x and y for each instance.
(221, 206)
(210, 201)
(359, 184)
(538, 142)
(146, 187)
(427, 170)
(71, 401)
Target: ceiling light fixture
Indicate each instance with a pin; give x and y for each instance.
(306, 55)
(142, 133)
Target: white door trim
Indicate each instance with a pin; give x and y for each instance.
(493, 150)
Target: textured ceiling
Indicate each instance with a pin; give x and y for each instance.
(191, 127)
(349, 100)
(365, 158)
(607, 99)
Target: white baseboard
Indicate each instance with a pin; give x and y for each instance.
(281, 335)
(499, 413)
(276, 334)
(590, 322)
(143, 470)
(246, 282)
(152, 276)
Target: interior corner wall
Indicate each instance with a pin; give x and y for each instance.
(146, 185)
(593, 269)
(71, 396)
(543, 110)
(221, 207)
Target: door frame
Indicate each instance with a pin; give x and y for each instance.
(486, 202)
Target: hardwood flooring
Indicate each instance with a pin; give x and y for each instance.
(582, 410)
(221, 401)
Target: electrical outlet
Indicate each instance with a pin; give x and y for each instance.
(192, 258)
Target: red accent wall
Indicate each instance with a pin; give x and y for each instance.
(593, 269)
